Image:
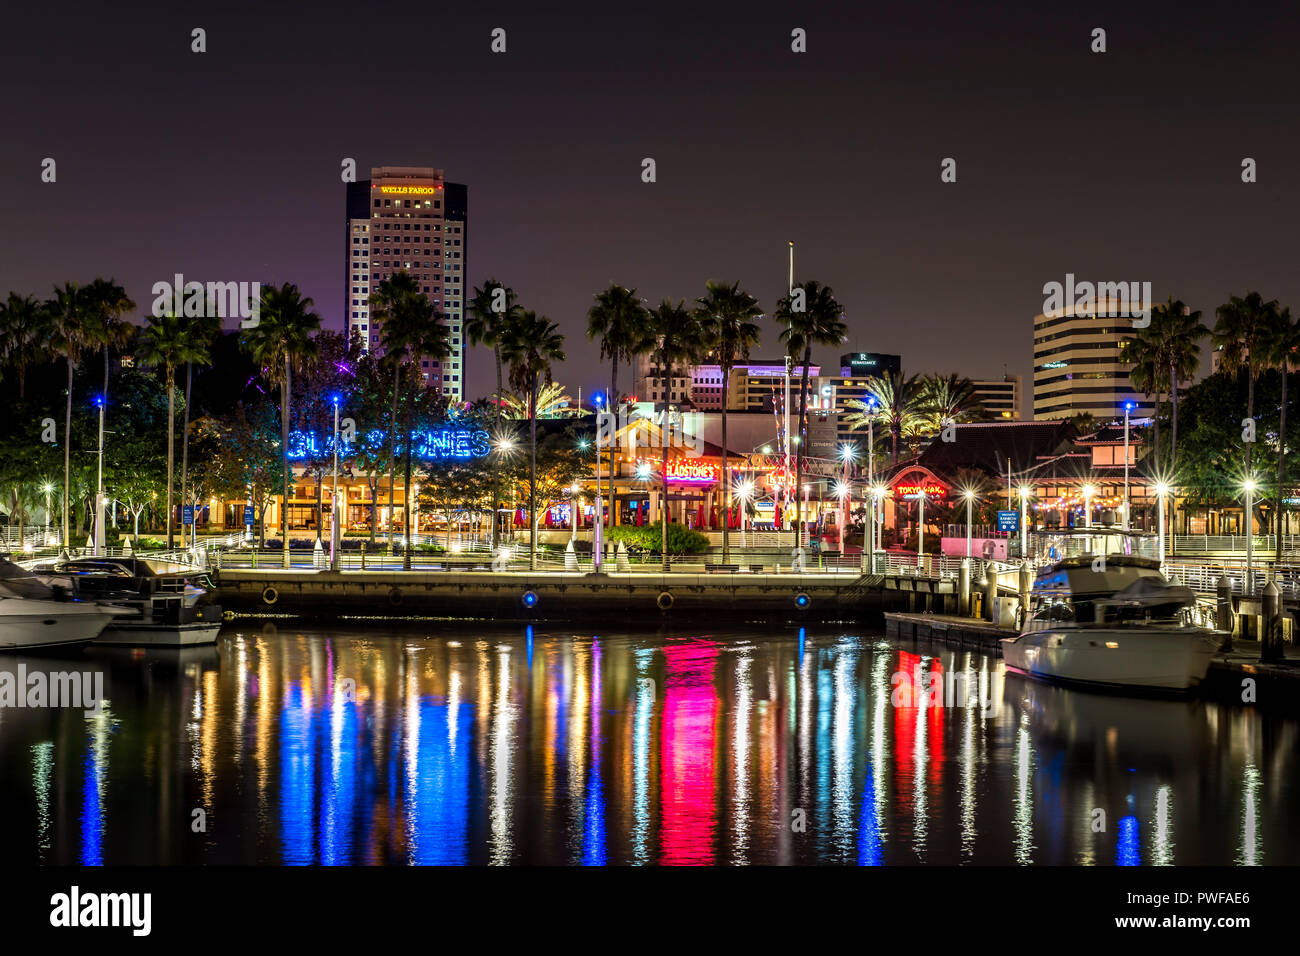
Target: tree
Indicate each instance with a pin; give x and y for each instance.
(947, 398)
(485, 324)
(1281, 343)
(24, 335)
(618, 318)
(329, 375)
(727, 316)
(252, 446)
(1239, 333)
(280, 342)
(164, 344)
(71, 316)
(897, 397)
(1148, 372)
(389, 305)
(680, 338)
(552, 402)
(533, 346)
(812, 316)
(371, 452)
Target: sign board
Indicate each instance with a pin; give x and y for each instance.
(248, 515)
(187, 514)
(1008, 521)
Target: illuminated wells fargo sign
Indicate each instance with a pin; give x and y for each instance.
(911, 489)
(691, 470)
(409, 190)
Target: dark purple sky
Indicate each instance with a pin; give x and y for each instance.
(1122, 166)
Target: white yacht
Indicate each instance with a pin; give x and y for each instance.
(35, 615)
(1117, 622)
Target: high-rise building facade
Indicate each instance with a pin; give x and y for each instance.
(1000, 397)
(409, 218)
(1078, 366)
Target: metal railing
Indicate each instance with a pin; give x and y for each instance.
(1234, 542)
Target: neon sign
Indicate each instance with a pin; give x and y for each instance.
(409, 190)
(912, 490)
(445, 443)
(692, 471)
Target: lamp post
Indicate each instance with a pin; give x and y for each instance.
(920, 526)
(743, 491)
(1162, 490)
(1088, 492)
(1249, 588)
(48, 489)
(334, 495)
(99, 488)
(846, 455)
(969, 495)
(1024, 517)
(1128, 407)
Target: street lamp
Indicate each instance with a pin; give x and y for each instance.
(969, 495)
(48, 488)
(1162, 490)
(1088, 492)
(920, 526)
(743, 491)
(335, 544)
(1250, 486)
(846, 456)
(99, 490)
(1128, 407)
(1024, 530)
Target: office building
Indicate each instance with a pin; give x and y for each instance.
(409, 218)
(1078, 366)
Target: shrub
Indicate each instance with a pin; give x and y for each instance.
(681, 539)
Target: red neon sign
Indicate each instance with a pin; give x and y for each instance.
(913, 489)
(692, 471)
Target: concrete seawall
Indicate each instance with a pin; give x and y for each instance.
(636, 597)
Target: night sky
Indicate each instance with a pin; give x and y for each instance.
(1117, 166)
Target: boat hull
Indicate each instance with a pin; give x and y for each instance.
(1176, 659)
(32, 624)
(127, 634)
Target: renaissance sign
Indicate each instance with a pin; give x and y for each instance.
(445, 443)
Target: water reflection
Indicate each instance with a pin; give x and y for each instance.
(313, 747)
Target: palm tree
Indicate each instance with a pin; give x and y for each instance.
(727, 314)
(533, 345)
(947, 398)
(1281, 345)
(415, 331)
(552, 402)
(165, 342)
(281, 341)
(619, 319)
(679, 337)
(486, 326)
(819, 322)
(1180, 334)
(23, 335)
(1147, 369)
(1239, 333)
(71, 315)
(388, 304)
(897, 397)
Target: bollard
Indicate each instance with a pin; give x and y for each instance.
(363, 555)
(1270, 637)
(990, 594)
(570, 557)
(1224, 616)
(963, 589)
(621, 562)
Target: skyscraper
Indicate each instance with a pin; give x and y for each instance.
(1078, 365)
(408, 218)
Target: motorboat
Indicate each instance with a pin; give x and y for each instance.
(165, 603)
(34, 614)
(1112, 620)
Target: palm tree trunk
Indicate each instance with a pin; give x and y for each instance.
(171, 446)
(663, 446)
(1281, 473)
(406, 482)
(67, 457)
(392, 458)
(610, 402)
(496, 472)
(284, 458)
(726, 485)
(803, 440)
(532, 478)
(185, 443)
